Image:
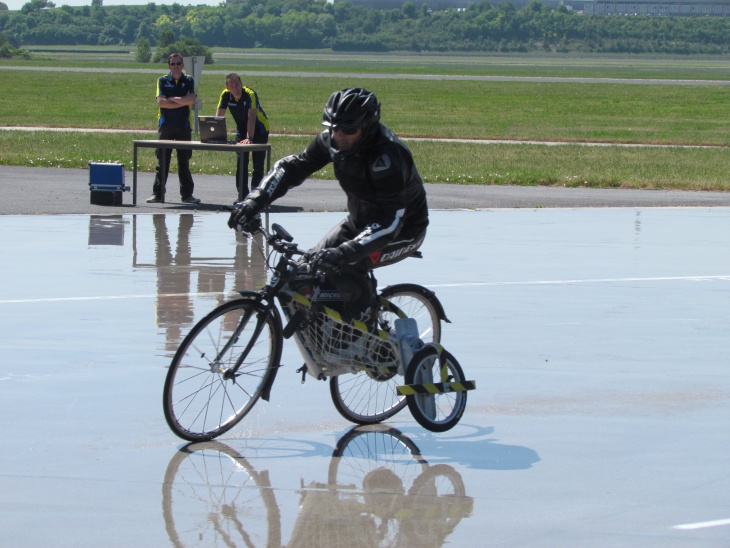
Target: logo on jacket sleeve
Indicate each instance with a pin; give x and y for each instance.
(382, 163)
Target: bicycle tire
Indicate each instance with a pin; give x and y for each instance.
(440, 411)
(418, 303)
(367, 399)
(201, 401)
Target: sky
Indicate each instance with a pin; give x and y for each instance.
(17, 4)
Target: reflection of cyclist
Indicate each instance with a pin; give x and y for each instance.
(386, 200)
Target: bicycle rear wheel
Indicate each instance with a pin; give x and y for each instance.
(367, 397)
(418, 303)
(202, 398)
(370, 398)
(435, 411)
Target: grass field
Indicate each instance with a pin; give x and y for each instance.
(569, 112)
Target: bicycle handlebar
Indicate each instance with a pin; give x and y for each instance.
(283, 242)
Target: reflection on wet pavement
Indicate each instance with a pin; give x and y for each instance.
(598, 338)
(184, 274)
(177, 272)
(378, 491)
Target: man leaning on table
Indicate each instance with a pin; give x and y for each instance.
(175, 94)
(252, 126)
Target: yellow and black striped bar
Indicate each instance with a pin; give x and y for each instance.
(436, 388)
(357, 324)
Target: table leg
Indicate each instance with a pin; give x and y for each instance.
(134, 175)
(163, 171)
(241, 176)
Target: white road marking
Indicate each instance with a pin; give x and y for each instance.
(723, 277)
(702, 524)
(106, 297)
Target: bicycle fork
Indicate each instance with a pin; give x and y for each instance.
(230, 374)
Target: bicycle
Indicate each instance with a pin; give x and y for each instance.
(230, 358)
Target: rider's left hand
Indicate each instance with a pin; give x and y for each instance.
(244, 217)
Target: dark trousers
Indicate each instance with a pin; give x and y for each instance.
(183, 161)
(259, 161)
(352, 282)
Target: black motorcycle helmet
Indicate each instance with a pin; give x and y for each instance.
(350, 109)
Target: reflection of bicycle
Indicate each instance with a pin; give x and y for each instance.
(230, 358)
(379, 492)
(385, 462)
(211, 496)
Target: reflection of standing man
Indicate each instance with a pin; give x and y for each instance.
(175, 94)
(174, 305)
(252, 126)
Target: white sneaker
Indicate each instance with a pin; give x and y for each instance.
(154, 200)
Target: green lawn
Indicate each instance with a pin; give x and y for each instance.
(534, 111)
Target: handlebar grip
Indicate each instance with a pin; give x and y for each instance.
(280, 232)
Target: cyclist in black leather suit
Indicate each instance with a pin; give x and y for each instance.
(386, 199)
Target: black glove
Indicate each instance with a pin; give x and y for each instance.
(244, 217)
(330, 257)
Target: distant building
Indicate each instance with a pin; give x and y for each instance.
(677, 7)
(446, 4)
(589, 7)
(392, 4)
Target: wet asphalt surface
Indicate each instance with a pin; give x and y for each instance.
(594, 322)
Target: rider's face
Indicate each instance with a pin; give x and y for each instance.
(345, 141)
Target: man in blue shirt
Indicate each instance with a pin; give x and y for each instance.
(175, 94)
(252, 126)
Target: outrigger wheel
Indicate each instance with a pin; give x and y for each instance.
(435, 388)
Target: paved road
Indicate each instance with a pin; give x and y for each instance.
(49, 191)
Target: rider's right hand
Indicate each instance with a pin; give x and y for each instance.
(331, 257)
(244, 217)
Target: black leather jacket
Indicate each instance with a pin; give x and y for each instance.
(383, 187)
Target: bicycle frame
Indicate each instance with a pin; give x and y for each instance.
(275, 290)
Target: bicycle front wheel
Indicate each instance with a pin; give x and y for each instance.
(203, 395)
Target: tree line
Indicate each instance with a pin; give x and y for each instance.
(344, 26)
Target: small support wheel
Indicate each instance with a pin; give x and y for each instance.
(435, 388)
